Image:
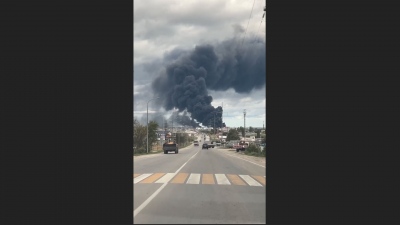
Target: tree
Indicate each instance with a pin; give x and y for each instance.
(251, 129)
(139, 137)
(241, 130)
(182, 138)
(153, 125)
(232, 135)
(258, 131)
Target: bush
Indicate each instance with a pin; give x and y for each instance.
(140, 150)
(254, 150)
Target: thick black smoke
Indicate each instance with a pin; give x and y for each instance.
(229, 64)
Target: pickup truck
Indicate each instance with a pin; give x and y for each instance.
(241, 146)
(170, 146)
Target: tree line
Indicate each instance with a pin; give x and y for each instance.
(140, 136)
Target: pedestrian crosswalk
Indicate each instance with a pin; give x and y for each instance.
(198, 178)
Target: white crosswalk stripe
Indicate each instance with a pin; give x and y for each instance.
(249, 180)
(141, 177)
(222, 179)
(166, 178)
(194, 178)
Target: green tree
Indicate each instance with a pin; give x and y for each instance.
(153, 125)
(232, 135)
(139, 137)
(258, 132)
(241, 130)
(251, 129)
(182, 139)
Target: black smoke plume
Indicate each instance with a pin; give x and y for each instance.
(186, 80)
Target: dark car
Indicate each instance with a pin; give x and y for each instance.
(205, 146)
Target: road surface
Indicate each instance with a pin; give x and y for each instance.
(197, 185)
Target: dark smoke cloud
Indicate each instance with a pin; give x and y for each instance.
(230, 64)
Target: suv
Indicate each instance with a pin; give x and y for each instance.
(205, 146)
(196, 143)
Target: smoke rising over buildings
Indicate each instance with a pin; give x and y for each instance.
(185, 82)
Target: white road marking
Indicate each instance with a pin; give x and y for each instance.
(250, 181)
(246, 160)
(222, 179)
(194, 178)
(148, 200)
(141, 177)
(166, 178)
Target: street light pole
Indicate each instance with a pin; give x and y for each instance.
(148, 123)
(214, 124)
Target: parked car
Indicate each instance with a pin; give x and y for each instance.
(205, 146)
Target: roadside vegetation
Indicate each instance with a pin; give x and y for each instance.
(155, 146)
(254, 150)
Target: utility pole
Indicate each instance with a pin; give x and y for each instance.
(222, 116)
(244, 117)
(214, 123)
(147, 128)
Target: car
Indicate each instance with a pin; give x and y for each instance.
(205, 146)
(196, 143)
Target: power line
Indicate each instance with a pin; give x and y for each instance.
(248, 22)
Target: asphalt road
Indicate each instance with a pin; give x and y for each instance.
(196, 185)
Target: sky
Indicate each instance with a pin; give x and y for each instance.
(186, 51)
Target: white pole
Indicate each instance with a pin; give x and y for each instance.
(148, 123)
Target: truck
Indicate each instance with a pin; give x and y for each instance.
(170, 145)
(212, 145)
(241, 146)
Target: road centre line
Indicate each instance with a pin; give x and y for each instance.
(148, 200)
